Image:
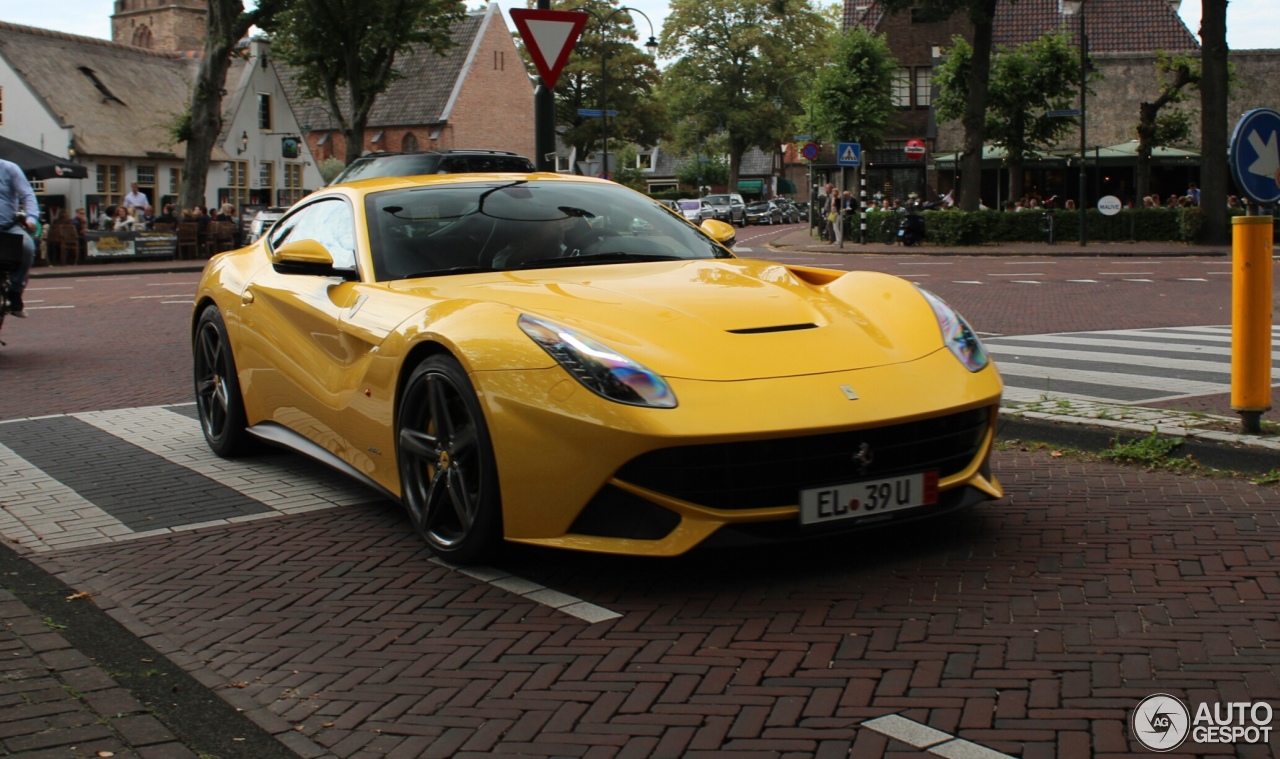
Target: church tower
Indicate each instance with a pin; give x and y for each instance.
(164, 25)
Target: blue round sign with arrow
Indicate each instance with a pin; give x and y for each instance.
(1255, 155)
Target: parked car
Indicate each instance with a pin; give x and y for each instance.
(696, 211)
(802, 208)
(789, 213)
(764, 212)
(387, 164)
(511, 360)
(728, 208)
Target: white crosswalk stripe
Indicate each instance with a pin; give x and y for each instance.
(1124, 366)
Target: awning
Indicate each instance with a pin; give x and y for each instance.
(786, 187)
(994, 157)
(751, 186)
(38, 164)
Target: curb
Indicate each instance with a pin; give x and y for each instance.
(1228, 454)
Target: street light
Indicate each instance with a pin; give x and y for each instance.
(651, 46)
(1076, 8)
(777, 102)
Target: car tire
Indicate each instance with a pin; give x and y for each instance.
(743, 224)
(219, 404)
(448, 472)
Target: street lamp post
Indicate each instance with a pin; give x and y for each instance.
(777, 102)
(651, 46)
(1076, 8)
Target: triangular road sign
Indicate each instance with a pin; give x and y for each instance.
(550, 37)
(849, 155)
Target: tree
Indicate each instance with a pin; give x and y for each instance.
(1026, 83)
(981, 15)
(853, 98)
(1174, 74)
(702, 170)
(346, 50)
(1214, 86)
(631, 78)
(732, 55)
(227, 22)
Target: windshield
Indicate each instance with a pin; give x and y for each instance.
(758, 207)
(504, 226)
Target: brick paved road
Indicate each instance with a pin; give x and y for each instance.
(1030, 626)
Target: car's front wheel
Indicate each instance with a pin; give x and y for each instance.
(218, 400)
(448, 473)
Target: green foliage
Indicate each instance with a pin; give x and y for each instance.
(179, 127)
(731, 59)
(626, 84)
(713, 170)
(981, 227)
(330, 168)
(627, 173)
(346, 50)
(952, 80)
(672, 195)
(1151, 452)
(852, 100)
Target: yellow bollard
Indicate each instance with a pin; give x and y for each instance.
(1251, 319)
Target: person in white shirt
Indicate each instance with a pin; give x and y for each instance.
(136, 201)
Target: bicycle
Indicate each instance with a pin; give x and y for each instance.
(10, 261)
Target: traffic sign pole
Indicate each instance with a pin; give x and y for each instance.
(1255, 166)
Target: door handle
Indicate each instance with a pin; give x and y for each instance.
(246, 297)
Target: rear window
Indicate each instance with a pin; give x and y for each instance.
(690, 205)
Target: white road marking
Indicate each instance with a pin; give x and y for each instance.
(1093, 281)
(179, 302)
(966, 281)
(1138, 280)
(1098, 342)
(928, 739)
(575, 607)
(46, 308)
(1126, 272)
(926, 263)
(33, 289)
(1192, 279)
(150, 297)
(1025, 281)
(171, 284)
(1128, 359)
(1030, 263)
(1113, 379)
(1020, 274)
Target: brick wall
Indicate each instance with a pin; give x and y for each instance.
(172, 26)
(495, 108)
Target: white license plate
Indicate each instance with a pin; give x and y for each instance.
(867, 498)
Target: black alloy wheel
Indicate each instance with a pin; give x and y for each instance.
(448, 473)
(218, 400)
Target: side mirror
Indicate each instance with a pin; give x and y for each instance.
(308, 253)
(721, 232)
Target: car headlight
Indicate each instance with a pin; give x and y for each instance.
(601, 369)
(959, 337)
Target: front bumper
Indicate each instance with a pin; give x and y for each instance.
(568, 460)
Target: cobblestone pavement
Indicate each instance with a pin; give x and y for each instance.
(1027, 627)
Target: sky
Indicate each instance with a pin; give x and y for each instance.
(1250, 23)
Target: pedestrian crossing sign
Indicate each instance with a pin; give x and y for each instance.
(849, 154)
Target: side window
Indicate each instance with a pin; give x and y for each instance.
(328, 222)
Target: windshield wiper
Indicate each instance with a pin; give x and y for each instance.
(594, 258)
(451, 270)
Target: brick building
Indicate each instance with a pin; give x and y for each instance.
(160, 24)
(477, 94)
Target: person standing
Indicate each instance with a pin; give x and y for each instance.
(16, 196)
(136, 201)
(1193, 192)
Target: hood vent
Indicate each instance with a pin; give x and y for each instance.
(779, 328)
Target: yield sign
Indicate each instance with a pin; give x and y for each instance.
(550, 37)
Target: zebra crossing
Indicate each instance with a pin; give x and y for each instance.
(1118, 366)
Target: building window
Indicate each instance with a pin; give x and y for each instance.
(264, 111)
(267, 178)
(562, 163)
(644, 161)
(902, 88)
(409, 143)
(238, 182)
(292, 184)
(924, 87)
(175, 181)
(110, 183)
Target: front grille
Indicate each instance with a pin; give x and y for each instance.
(766, 473)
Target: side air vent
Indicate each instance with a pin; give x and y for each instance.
(778, 328)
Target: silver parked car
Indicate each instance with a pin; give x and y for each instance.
(695, 210)
(729, 208)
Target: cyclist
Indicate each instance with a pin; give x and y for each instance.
(17, 198)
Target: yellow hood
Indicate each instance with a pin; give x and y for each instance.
(727, 319)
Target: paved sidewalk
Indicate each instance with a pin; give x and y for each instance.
(799, 239)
